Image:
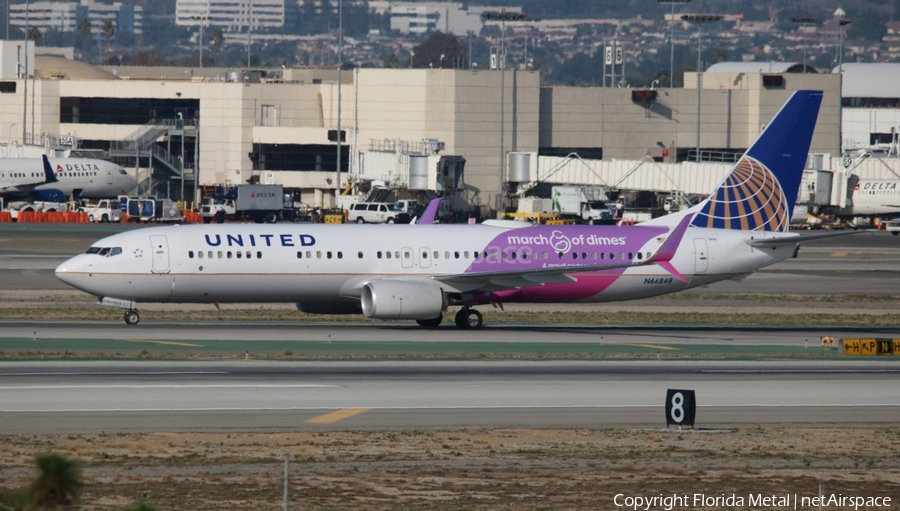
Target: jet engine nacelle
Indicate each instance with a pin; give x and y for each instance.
(395, 299)
(51, 195)
(328, 307)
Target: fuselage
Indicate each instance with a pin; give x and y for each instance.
(310, 263)
(874, 197)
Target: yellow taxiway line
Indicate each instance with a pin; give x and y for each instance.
(331, 418)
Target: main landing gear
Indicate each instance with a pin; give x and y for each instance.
(132, 317)
(469, 319)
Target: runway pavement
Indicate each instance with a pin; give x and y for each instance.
(132, 396)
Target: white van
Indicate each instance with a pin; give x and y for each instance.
(374, 213)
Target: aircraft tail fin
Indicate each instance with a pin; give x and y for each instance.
(49, 175)
(760, 191)
(431, 211)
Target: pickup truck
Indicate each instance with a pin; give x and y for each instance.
(104, 211)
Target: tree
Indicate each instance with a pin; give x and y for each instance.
(217, 39)
(57, 483)
(439, 50)
(109, 29)
(34, 34)
(391, 61)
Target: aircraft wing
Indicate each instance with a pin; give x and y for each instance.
(560, 273)
(49, 177)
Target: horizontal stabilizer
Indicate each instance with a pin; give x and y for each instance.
(800, 238)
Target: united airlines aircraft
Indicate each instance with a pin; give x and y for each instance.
(418, 271)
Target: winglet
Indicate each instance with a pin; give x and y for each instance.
(49, 175)
(431, 211)
(666, 252)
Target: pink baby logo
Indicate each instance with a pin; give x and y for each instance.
(560, 242)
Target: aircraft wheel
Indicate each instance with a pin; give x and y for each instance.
(469, 319)
(430, 323)
(132, 318)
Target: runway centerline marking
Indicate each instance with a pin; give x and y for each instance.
(166, 343)
(656, 346)
(331, 418)
(839, 254)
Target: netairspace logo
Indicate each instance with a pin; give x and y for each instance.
(753, 501)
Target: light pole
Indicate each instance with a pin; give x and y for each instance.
(340, 52)
(842, 23)
(804, 21)
(204, 19)
(249, 29)
(672, 37)
(502, 17)
(700, 19)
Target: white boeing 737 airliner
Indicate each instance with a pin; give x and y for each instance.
(27, 179)
(418, 271)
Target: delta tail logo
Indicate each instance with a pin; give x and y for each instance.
(750, 199)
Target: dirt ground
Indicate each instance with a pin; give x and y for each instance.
(513, 469)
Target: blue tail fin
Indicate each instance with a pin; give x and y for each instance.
(760, 192)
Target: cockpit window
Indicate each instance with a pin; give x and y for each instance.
(105, 251)
(122, 171)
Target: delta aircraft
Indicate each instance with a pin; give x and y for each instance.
(418, 271)
(25, 179)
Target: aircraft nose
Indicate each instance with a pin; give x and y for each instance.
(72, 272)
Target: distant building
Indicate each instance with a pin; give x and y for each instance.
(423, 17)
(232, 15)
(64, 16)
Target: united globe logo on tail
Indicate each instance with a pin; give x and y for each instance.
(750, 199)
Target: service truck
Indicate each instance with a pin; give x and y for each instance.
(104, 211)
(585, 203)
(256, 203)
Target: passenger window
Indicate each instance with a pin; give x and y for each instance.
(447, 255)
(340, 255)
(424, 255)
(466, 254)
(546, 255)
(594, 255)
(560, 255)
(584, 255)
(318, 254)
(228, 254)
(378, 254)
(437, 255)
(621, 255)
(308, 254)
(640, 256)
(456, 255)
(359, 254)
(328, 254)
(209, 255)
(259, 255)
(534, 255)
(199, 255)
(574, 255)
(299, 254)
(250, 256)
(190, 254)
(238, 254)
(630, 256)
(476, 254)
(388, 254)
(406, 255)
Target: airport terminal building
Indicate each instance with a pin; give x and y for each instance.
(199, 127)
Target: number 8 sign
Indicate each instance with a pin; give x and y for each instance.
(680, 407)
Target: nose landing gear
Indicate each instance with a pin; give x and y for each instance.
(469, 319)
